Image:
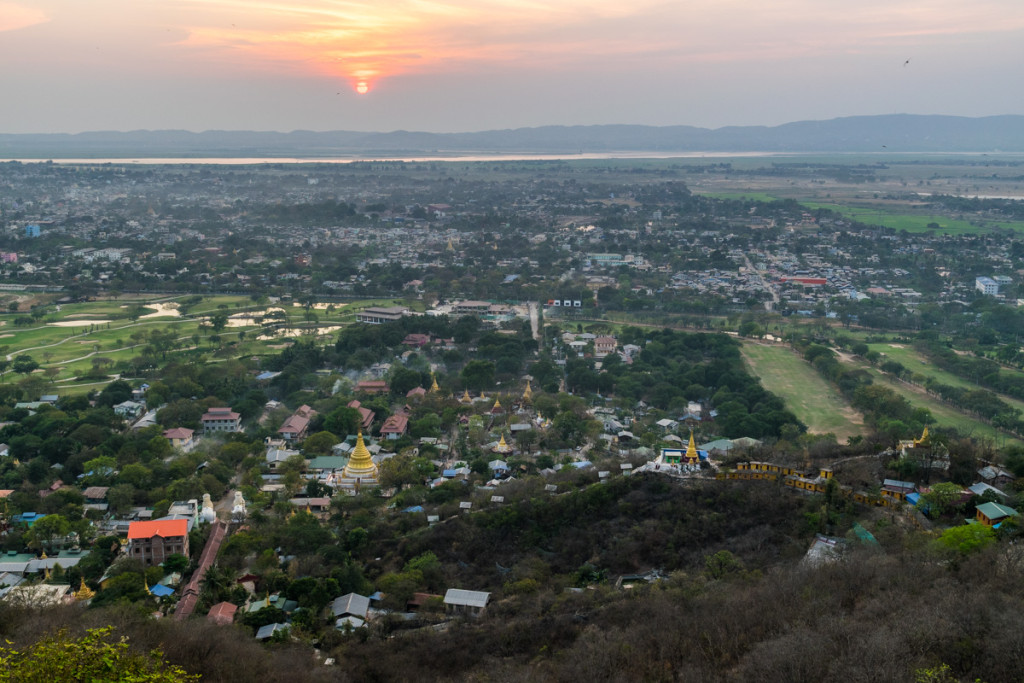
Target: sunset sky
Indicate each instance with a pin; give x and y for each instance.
(466, 65)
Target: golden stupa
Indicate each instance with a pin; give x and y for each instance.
(84, 593)
(528, 392)
(433, 384)
(692, 457)
(465, 397)
(360, 465)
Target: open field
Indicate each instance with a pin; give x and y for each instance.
(72, 339)
(806, 393)
(911, 359)
(946, 415)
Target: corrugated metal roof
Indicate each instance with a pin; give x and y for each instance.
(458, 596)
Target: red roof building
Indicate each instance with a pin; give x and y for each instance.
(294, 428)
(153, 542)
(373, 386)
(365, 414)
(395, 426)
(221, 420)
(222, 614)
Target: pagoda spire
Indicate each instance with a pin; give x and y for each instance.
(360, 464)
(528, 392)
(692, 457)
(433, 384)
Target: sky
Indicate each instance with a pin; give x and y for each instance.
(69, 66)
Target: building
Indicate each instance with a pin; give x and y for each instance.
(222, 614)
(466, 603)
(221, 420)
(394, 427)
(604, 346)
(375, 315)
(372, 386)
(181, 438)
(991, 514)
(155, 541)
(360, 470)
(297, 424)
(986, 285)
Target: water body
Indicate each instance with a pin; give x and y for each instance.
(242, 161)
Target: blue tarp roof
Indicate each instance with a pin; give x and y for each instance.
(414, 508)
(161, 590)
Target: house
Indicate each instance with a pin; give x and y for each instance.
(221, 420)
(129, 410)
(375, 315)
(416, 340)
(395, 426)
(365, 414)
(992, 514)
(181, 438)
(350, 605)
(271, 629)
(276, 456)
(154, 541)
(297, 424)
(316, 506)
(604, 346)
(464, 602)
(995, 476)
(372, 386)
(222, 614)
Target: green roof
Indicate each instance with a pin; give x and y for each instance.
(328, 462)
(996, 511)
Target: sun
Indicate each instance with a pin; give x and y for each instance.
(362, 87)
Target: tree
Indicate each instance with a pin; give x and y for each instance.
(24, 364)
(478, 374)
(967, 538)
(93, 657)
(343, 420)
(320, 443)
(940, 499)
(48, 530)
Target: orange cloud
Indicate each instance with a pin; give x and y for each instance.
(364, 40)
(13, 16)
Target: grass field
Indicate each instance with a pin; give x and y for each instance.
(753, 195)
(807, 394)
(911, 359)
(946, 416)
(109, 334)
(911, 222)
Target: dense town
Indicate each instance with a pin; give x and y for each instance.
(526, 383)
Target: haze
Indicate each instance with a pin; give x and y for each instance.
(465, 65)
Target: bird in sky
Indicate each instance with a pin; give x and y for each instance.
(906, 62)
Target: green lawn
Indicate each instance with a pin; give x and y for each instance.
(807, 394)
(73, 349)
(911, 222)
(753, 196)
(946, 415)
(911, 359)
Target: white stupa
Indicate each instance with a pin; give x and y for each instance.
(207, 514)
(238, 507)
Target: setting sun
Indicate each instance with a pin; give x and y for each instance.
(362, 87)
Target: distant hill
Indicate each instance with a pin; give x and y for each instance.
(889, 133)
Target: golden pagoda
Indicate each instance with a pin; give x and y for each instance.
(84, 593)
(497, 406)
(433, 384)
(360, 465)
(692, 457)
(465, 397)
(502, 447)
(450, 247)
(923, 441)
(528, 393)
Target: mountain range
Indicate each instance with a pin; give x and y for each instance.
(855, 134)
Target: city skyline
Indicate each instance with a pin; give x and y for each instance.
(461, 65)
